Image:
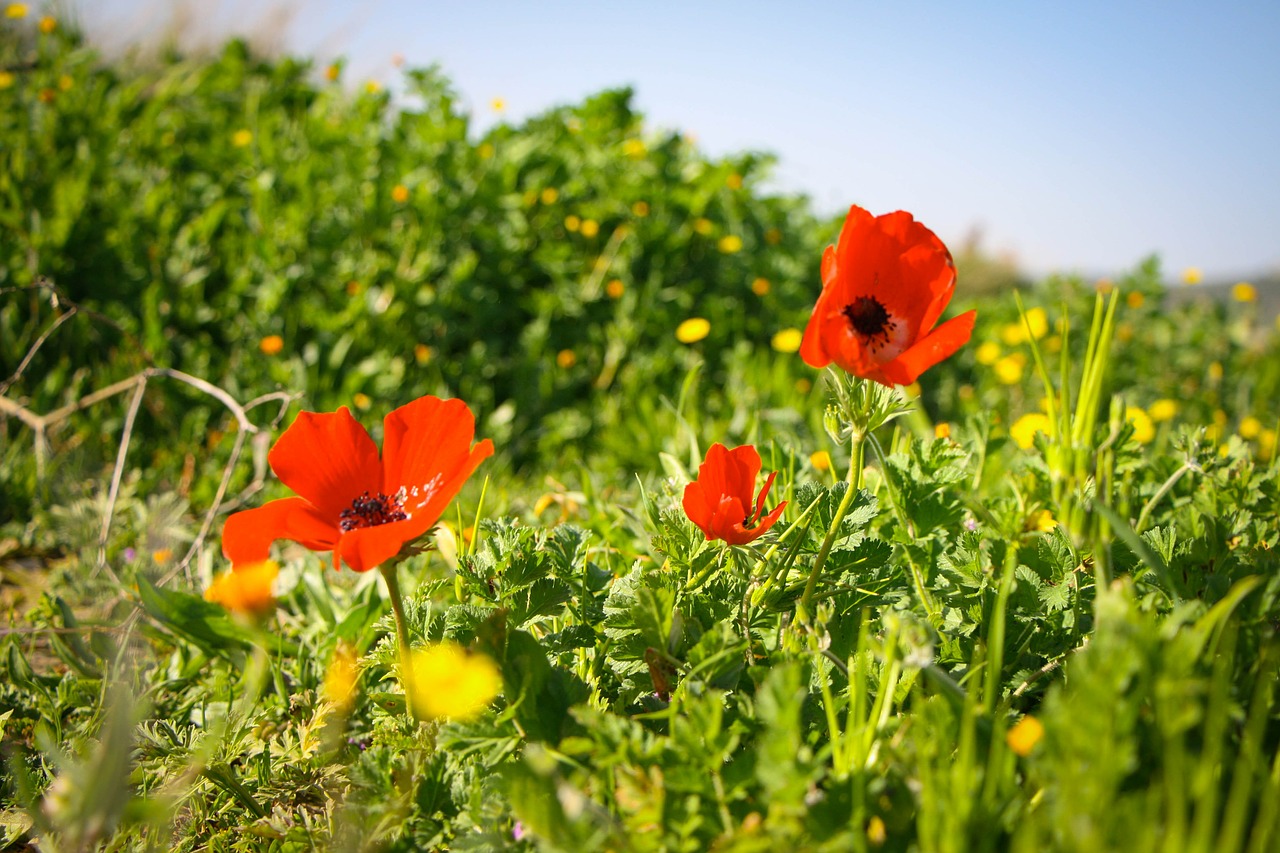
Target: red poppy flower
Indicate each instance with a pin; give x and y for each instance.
(885, 284)
(719, 501)
(349, 501)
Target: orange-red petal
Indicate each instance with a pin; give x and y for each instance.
(939, 344)
(247, 535)
(367, 548)
(329, 459)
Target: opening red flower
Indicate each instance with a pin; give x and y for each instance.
(362, 508)
(720, 502)
(885, 284)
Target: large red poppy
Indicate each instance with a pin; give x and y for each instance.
(362, 508)
(885, 285)
(720, 501)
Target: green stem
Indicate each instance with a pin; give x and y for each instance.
(402, 635)
(995, 639)
(857, 461)
(917, 574)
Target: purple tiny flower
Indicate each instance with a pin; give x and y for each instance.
(130, 555)
(971, 523)
(517, 831)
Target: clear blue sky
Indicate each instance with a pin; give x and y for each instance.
(1077, 136)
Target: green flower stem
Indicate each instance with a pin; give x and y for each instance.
(917, 574)
(858, 458)
(996, 637)
(402, 635)
(801, 524)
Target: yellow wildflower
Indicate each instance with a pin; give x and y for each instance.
(1038, 320)
(572, 223)
(339, 686)
(640, 209)
(1024, 735)
(498, 105)
(1143, 429)
(988, 353)
(1266, 444)
(333, 72)
(566, 359)
(1135, 299)
(702, 225)
(399, 193)
(1250, 427)
(485, 151)
(1024, 429)
(693, 330)
(450, 682)
(6, 79)
(1013, 333)
(241, 137)
(877, 833)
(787, 340)
(247, 589)
(271, 345)
(942, 430)
(65, 82)
(760, 286)
(362, 401)
(160, 556)
(730, 243)
(634, 148)
(1163, 410)
(1009, 369)
(615, 288)
(549, 195)
(422, 353)
(16, 10)
(48, 24)
(373, 87)
(734, 181)
(820, 460)
(1243, 291)
(1041, 521)
(1215, 371)
(1192, 275)
(590, 228)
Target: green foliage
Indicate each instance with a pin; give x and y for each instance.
(864, 676)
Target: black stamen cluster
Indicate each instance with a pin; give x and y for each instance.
(368, 511)
(867, 315)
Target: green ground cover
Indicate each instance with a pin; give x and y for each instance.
(1043, 616)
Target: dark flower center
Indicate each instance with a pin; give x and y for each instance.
(369, 511)
(868, 316)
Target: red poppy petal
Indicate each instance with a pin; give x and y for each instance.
(697, 508)
(426, 508)
(423, 438)
(367, 548)
(247, 535)
(727, 516)
(939, 344)
(829, 269)
(742, 464)
(328, 459)
(812, 350)
(764, 493)
(745, 534)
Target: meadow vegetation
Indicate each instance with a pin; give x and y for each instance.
(1028, 601)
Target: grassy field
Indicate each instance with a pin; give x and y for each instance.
(1028, 601)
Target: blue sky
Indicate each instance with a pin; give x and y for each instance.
(1077, 136)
